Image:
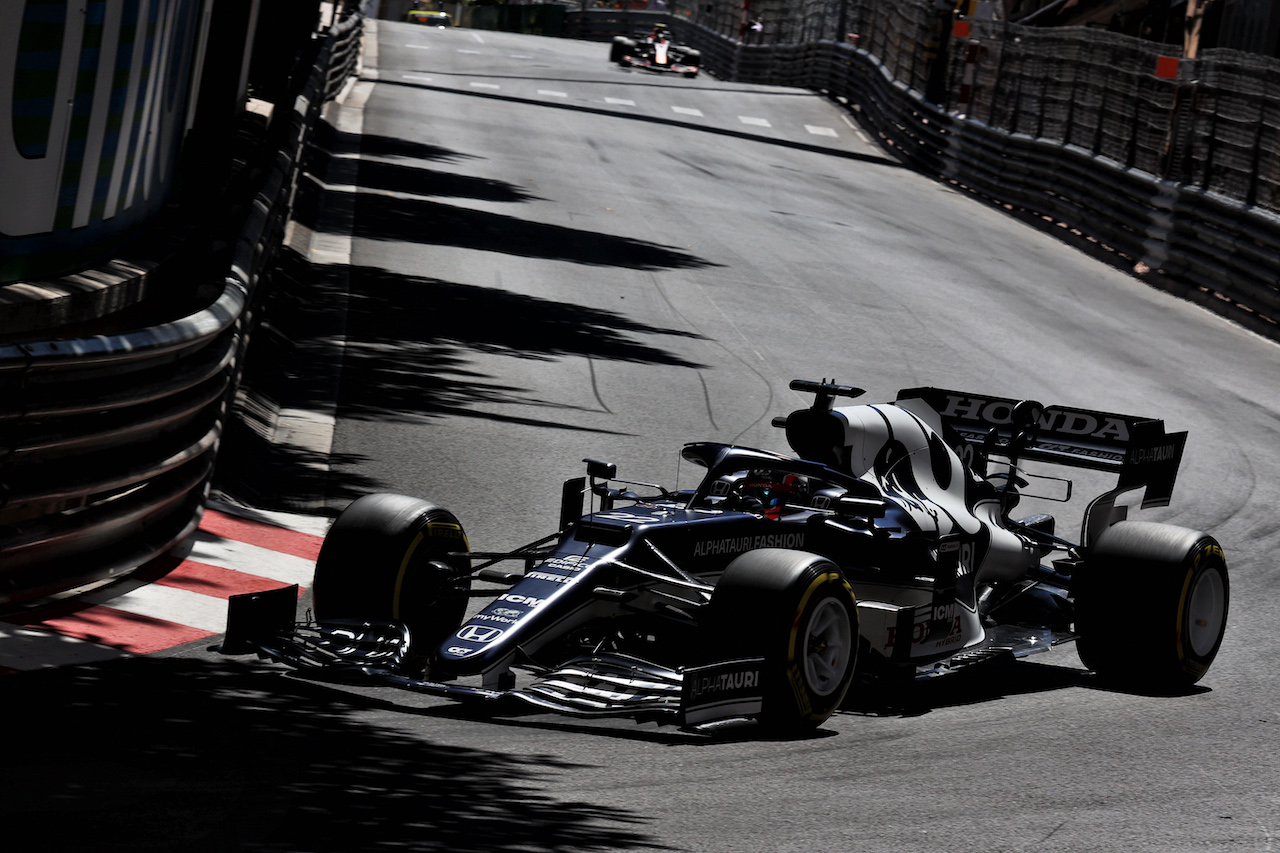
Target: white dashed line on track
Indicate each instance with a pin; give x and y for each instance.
(686, 111)
(472, 52)
(820, 131)
(476, 85)
(550, 93)
(624, 102)
(756, 122)
(417, 77)
(856, 129)
(419, 46)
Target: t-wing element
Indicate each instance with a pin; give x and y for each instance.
(825, 392)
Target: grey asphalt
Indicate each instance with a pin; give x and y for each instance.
(566, 266)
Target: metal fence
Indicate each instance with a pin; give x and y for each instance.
(1170, 164)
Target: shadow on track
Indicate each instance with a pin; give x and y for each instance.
(181, 754)
(404, 178)
(401, 345)
(976, 685)
(409, 337)
(878, 160)
(419, 220)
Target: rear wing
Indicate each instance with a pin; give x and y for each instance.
(1137, 449)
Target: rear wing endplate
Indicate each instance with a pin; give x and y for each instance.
(1137, 449)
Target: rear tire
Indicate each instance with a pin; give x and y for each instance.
(795, 610)
(387, 557)
(1151, 605)
(694, 58)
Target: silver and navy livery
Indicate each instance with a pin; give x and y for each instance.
(886, 544)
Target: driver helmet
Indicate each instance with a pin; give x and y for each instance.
(775, 489)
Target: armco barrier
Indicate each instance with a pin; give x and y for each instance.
(1211, 249)
(107, 443)
(1203, 246)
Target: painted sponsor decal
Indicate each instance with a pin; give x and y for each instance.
(1060, 421)
(1144, 455)
(926, 620)
(740, 544)
(627, 517)
(546, 576)
(570, 564)
(527, 600)
(491, 617)
(1077, 450)
(504, 611)
(478, 634)
(720, 682)
(722, 690)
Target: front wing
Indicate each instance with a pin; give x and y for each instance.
(596, 685)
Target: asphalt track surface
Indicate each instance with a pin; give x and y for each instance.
(553, 258)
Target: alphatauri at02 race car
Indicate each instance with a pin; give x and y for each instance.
(887, 546)
(656, 51)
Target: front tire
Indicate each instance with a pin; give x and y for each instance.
(622, 47)
(1151, 605)
(795, 610)
(388, 557)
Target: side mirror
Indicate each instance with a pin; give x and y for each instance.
(601, 470)
(860, 507)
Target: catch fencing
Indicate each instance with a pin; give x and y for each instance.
(107, 443)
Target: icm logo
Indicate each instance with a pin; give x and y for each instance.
(479, 634)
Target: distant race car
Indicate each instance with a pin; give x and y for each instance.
(429, 18)
(656, 51)
(886, 546)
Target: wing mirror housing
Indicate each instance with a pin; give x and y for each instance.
(853, 507)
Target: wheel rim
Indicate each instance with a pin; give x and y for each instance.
(1206, 612)
(828, 647)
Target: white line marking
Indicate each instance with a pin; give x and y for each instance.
(464, 50)
(476, 85)
(686, 111)
(475, 35)
(419, 46)
(418, 77)
(550, 93)
(518, 56)
(758, 122)
(194, 609)
(856, 129)
(316, 525)
(620, 101)
(820, 131)
(251, 559)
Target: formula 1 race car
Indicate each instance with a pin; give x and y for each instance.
(429, 18)
(886, 546)
(656, 51)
